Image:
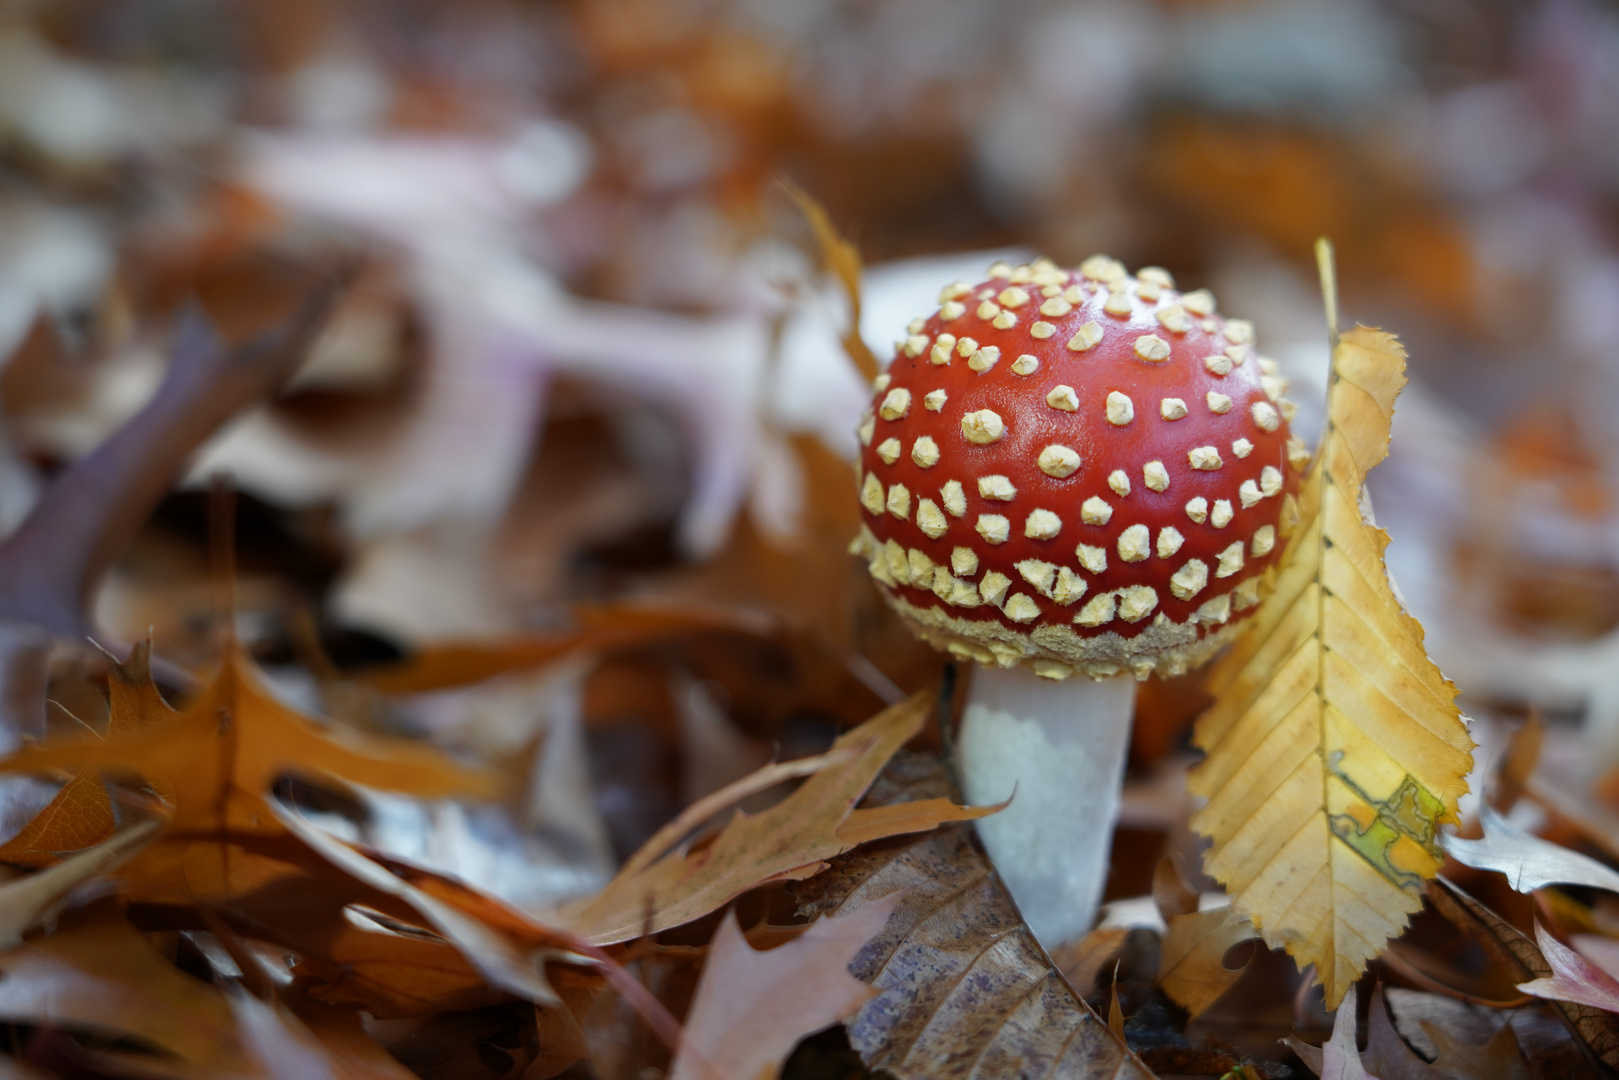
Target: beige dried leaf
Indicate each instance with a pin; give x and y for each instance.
(1335, 748)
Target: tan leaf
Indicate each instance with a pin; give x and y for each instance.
(27, 901)
(963, 979)
(1192, 966)
(1335, 748)
(752, 1007)
(1337, 1058)
(843, 259)
(791, 840)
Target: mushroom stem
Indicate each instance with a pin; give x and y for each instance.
(1062, 746)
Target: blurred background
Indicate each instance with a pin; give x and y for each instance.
(589, 354)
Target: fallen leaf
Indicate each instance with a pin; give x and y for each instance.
(843, 259)
(1495, 1059)
(791, 840)
(1594, 1028)
(217, 760)
(1338, 1058)
(1573, 977)
(1528, 862)
(98, 973)
(25, 902)
(962, 979)
(1192, 967)
(1335, 747)
(286, 1049)
(1387, 1055)
(752, 1007)
(1082, 961)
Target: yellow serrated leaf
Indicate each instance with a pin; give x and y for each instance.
(1335, 748)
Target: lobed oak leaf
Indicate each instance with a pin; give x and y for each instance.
(1335, 747)
(1338, 1058)
(1573, 977)
(1387, 1055)
(27, 901)
(659, 888)
(752, 1007)
(216, 762)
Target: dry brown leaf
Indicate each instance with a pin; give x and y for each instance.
(98, 973)
(752, 1007)
(216, 762)
(1387, 1055)
(843, 259)
(1596, 1031)
(25, 902)
(966, 988)
(1335, 747)
(791, 840)
(1338, 1058)
(1191, 966)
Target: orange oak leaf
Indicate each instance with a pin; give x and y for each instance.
(659, 887)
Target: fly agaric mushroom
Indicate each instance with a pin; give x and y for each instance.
(1071, 473)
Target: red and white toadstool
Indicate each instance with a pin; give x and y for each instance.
(1071, 473)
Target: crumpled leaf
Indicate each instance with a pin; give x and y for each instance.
(1335, 747)
(752, 1007)
(790, 841)
(1338, 1058)
(1595, 1029)
(1191, 967)
(1529, 862)
(963, 979)
(1573, 977)
(217, 760)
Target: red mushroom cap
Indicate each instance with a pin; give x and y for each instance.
(1081, 470)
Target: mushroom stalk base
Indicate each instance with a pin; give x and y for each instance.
(1062, 745)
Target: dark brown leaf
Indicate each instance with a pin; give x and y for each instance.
(1596, 1031)
(967, 991)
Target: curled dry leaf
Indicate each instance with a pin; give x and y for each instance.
(843, 259)
(1338, 1058)
(1594, 1029)
(1529, 862)
(966, 990)
(752, 1007)
(1573, 977)
(1334, 747)
(1191, 966)
(25, 902)
(789, 841)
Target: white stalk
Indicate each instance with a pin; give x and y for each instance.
(1062, 745)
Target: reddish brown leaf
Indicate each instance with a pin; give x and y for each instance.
(966, 990)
